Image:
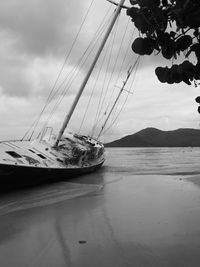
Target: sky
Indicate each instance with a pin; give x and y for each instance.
(36, 36)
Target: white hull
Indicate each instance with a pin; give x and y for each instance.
(39, 160)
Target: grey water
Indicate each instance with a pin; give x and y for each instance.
(142, 208)
(171, 161)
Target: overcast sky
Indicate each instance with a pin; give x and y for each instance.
(35, 37)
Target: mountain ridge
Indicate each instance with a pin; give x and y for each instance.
(153, 137)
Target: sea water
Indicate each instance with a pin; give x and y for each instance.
(142, 208)
(171, 161)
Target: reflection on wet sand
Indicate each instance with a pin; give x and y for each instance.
(46, 195)
(104, 219)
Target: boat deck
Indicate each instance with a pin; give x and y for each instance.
(72, 152)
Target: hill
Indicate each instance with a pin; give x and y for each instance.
(152, 137)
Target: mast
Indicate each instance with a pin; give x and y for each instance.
(68, 116)
(116, 100)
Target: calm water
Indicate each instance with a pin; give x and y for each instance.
(171, 161)
(140, 209)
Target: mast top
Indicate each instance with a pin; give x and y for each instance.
(117, 4)
(85, 80)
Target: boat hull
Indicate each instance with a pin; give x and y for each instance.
(12, 176)
(24, 163)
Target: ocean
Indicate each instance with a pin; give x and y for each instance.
(142, 208)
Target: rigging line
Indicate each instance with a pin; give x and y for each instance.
(102, 87)
(87, 76)
(126, 53)
(114, 121)
(73, 44)
(83, 119)
(61, 70)
(102, 28)
(130, 70)
(101, 101)
(115, 116)
(119, 51)
(65, 79)
(118, 104)
(80, 64)
(98, 32)
(129, 91)
(113, 69)
(26, 133)
(95, 84)
(129, 63)
(75, 70)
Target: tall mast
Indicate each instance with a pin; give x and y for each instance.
(68, 116)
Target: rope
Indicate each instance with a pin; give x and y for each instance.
(130, 70)
(99, 30)
(114, 121)
(73, 75)
(123, 37)
(122, 65)
(77, 69)
(73, 44)
(95, 84)
(101, 102)
(59, 74)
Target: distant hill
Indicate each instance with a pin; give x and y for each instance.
(152, 137)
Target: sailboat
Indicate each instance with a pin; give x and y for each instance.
(65, 155)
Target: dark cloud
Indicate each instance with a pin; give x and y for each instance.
(40, 26)
(30, 30)
(46, 28)
(12, 67)
(35, 36)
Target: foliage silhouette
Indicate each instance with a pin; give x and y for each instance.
(169, 28)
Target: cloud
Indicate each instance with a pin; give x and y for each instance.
(40, 26)
(39, 33)
(35, 36)
(33, 31)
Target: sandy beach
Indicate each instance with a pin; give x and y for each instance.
(107, 219)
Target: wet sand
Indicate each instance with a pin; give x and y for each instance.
(110, 218)
(194, 179)
(139, 220)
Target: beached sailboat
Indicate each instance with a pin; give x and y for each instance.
(64, 155)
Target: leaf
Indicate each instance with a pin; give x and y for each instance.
(162, 74)
(197, 99)
(168, 50)
(142, 46)
(183, 43)
(133, 11)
